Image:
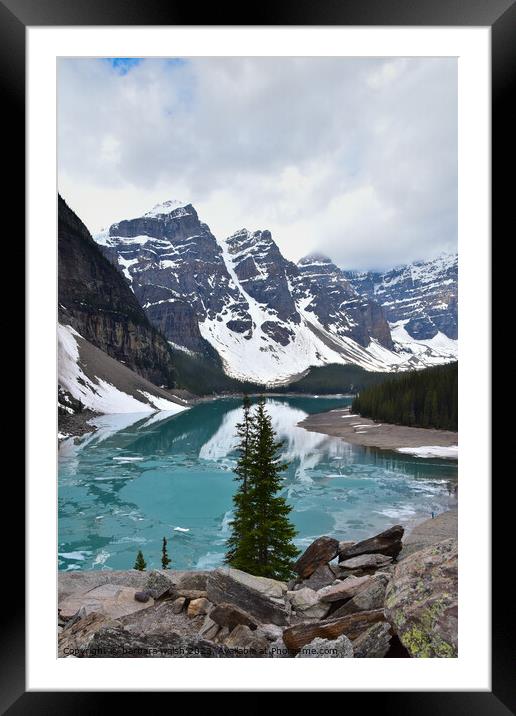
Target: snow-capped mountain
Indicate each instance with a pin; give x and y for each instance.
(267, 318)
(419, 299)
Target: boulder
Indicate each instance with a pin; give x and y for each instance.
(366, 562)
(112, 600)
(222, 635)
(322, 551)
(75, 640)
(209, 629)
(343, 590)
(352, 626)
(114, 641)
(142, 596)
(339, 648)
(370, 596)
(79, 582)
(387, 543)
(322, 577)
(421, 601)
(79, 614)
(260, 597)
(230, 615)
(198, 607)
(271, 631)
(374, 643)
(161, 618)
(158, 585)
(242, 638)
(191, 580)
(305, 602)
(343, 546)
(178, 605)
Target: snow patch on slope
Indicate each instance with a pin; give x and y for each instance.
(432, 351)
(99, 395)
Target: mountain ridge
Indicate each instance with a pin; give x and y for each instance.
(266, 318)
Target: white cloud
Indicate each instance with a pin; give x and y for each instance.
(352, 157)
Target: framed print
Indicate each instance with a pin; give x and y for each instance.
(257, 251)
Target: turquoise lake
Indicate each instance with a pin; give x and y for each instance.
(140, 478)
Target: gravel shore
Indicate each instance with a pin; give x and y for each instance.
(362, 431)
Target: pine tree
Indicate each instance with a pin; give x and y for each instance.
(241, 525)
(140, 563)
(262, 534)
(165, 560)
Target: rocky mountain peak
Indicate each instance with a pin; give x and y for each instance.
(314, 259)
(262, 271)
(167, 207)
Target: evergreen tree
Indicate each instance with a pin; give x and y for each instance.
(262, 534)
(165, 560)
(241, 525)
(140, 563)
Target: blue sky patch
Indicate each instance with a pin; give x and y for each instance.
(123, 65)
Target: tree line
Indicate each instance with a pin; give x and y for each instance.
(426, 399)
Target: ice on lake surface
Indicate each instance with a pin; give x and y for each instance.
(138, 479)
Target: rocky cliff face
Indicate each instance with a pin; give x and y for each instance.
(176, 270)
(240, 301)
(98, 303)
(420, 297)
(324, 291)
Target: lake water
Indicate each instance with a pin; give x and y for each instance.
(139, 478)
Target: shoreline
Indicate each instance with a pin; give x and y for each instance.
(354, 429)
(78, 424)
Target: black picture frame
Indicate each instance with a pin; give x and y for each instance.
(500, 16)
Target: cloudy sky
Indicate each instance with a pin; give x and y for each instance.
(355, 158)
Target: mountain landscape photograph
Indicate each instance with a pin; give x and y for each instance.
(257, 336)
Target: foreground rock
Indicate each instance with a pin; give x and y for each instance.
(369, 597)
(320, 552)
(295, 637)
(421, 601)
(362, 602)
(322, 577)
(374, 643)
(340, 648)
(161, 618)
(386, 543)
(75, 640)
(346, 589)
(112, 600)
(425, 534)
(243, 639)
(198, 607)
(228, 615)
(306, 602)
(114, 641)
(260, 597)
(365, 562)
(158, 585)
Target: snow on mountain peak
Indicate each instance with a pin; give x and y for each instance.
(166, 207)
(314, 259)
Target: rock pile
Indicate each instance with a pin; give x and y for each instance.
(348, 601)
